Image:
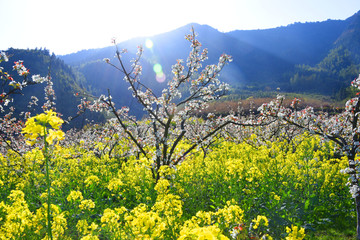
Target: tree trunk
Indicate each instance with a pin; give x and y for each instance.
(357, 203)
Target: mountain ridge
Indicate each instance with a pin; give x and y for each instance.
(314, 57)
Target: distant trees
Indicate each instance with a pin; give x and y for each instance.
(328, 76)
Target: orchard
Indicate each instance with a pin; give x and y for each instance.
(279, 173)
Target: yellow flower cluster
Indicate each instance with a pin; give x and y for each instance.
(203, 233)
(92, 180)
(260, 221)
(231, 213)
(169, 207)
(43, 125)
(89, 237)
(295, 233)
(58, 223)
(131, 178)
(87, 230)
(18, 218)
(210, 225)
(166, 214)
(75, 195)
(127, 203)
(87, 204)
(145, 224)
(21, 223)
(162, 186)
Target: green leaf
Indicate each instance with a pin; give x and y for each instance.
(307, 203)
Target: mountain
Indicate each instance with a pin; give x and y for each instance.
(351, 35)
(333, 73)
(251, 63)
(250, 66)
(315, 57)
(66, 82)
(298, 43)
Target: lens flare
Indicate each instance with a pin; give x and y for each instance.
(160, 77)
(157, 68)
(148, 43)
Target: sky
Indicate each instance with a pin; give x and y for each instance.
(69, 26)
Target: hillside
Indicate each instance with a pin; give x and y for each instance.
(251, 64)
(315, 57)
(298, 43)
(311, 58)
(66, 82)
(333, 73)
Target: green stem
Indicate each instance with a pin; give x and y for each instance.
(48, 186)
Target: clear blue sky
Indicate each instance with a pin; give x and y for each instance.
(67, 26)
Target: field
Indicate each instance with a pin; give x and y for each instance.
(250, 101)
(187, 170)
(241, 190)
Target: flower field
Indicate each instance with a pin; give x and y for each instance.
(276, 173)
(238, 191)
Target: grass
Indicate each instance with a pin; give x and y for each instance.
(333, 234)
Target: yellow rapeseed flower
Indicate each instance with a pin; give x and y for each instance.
(54, 135)
(89, 237)
(92, 180)
(17, 217)
(41, 125)
(295, 233)
(208, 232)
(74, 195)
(86, 204)
(84, 228)
(260, 220)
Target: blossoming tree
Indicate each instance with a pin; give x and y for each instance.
(342, 128)
(10, 126)
(169, 113)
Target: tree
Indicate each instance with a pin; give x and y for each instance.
(169, 114)
(10, 127)
(342, 128)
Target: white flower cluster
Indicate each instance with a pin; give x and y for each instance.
(38, 79)
(3, 57)
(274, 107)
(351, 104)
(356, 82)
(354, 190)
(20, 68)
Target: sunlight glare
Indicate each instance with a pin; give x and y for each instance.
(160, 76)
(148, 43)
